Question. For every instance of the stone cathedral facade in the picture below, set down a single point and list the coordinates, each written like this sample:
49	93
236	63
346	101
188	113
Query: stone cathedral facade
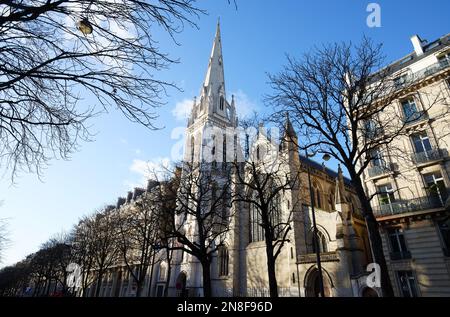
239	268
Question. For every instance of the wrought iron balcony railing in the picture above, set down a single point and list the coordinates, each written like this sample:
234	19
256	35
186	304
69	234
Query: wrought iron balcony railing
375	171
415	204
428	156
430	70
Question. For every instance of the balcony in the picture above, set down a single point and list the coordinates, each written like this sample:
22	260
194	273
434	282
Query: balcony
429	156
416	204
430	70
401	255
376	171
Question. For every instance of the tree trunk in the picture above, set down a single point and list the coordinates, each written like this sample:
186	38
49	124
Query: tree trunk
273	286
374	237
99	284
206	270
150	285
49	282
169	271
139	288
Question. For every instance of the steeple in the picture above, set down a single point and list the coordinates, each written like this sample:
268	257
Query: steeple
289	129
289	140
215	79
212	101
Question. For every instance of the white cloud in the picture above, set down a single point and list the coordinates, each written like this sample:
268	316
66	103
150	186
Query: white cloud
244	105
156	168
182	109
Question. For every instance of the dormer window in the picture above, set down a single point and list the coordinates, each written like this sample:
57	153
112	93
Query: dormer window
444	60
221	103
400	81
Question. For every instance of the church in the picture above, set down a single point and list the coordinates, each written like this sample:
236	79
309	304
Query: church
240	266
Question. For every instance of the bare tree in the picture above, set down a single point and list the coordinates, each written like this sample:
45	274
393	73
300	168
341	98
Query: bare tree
340	98
55	54
59	255
263	179
105	245
166	192
203	214
83	248
44	267
14	279
139	236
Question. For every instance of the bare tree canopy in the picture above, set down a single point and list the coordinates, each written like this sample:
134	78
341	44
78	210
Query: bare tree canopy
202	218
56	53
264	181
139	237
340	98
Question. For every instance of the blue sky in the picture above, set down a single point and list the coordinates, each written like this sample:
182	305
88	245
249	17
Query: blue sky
255	39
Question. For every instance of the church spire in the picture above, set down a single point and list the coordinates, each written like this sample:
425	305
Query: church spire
215	79
212	102
289	129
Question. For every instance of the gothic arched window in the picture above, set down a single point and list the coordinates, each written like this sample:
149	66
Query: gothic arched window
317	195
319	200
322	240
331	199
256	230
213	149
192	149
275	216
223	259
221	103
224	149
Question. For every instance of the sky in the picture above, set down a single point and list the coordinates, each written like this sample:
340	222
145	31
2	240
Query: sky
255	39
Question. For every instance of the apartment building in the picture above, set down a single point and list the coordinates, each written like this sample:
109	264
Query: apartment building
409	177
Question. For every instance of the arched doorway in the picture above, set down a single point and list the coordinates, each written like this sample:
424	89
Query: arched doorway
181	285
312	285
369	292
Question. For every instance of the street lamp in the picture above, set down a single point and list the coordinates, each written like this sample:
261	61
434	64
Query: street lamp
85	26
325	157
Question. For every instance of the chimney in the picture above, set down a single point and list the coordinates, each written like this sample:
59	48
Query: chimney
151	184
129	196
417	42
137	192
120	202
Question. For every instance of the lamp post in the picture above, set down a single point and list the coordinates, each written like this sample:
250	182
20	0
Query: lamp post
326	157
